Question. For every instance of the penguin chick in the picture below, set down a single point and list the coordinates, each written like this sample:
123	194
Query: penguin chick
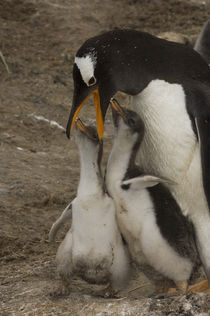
93	248
148	216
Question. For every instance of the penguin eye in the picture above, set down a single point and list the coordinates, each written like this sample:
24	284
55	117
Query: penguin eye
131	122
95	136
91	81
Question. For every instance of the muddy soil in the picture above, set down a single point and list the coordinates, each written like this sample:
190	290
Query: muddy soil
39	167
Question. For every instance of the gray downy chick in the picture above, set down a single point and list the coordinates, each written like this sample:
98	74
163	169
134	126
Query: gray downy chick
93	248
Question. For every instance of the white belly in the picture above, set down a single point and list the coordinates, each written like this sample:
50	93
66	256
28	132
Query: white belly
94	228
137	221
169	142
93	247
170	149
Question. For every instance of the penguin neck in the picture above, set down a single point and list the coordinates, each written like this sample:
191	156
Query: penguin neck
121	159
90	172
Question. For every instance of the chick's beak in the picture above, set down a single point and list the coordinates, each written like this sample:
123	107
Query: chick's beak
79	124
74	119
115	105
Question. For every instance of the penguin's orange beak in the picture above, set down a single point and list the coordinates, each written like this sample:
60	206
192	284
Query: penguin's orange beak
74	119
99	117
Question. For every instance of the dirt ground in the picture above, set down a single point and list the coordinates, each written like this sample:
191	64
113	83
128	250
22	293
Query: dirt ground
39	167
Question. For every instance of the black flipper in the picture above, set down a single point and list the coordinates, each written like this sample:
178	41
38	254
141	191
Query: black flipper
203	131
198	107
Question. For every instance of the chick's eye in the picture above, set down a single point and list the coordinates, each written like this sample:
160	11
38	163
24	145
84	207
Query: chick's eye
92	81
95	136
131	122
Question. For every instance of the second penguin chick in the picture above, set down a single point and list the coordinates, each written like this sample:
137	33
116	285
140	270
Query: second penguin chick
148	216
93	248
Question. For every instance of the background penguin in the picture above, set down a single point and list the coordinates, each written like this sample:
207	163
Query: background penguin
93	247
202	44
148	216
170	88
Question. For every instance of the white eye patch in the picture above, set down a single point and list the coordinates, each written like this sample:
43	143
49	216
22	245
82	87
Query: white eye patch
86	66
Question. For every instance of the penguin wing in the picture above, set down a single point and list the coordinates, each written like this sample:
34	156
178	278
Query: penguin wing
66	215
203	131
141	182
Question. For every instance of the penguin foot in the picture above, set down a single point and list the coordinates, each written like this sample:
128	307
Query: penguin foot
170	293
166	291
108	292
202	286
62	289
182	286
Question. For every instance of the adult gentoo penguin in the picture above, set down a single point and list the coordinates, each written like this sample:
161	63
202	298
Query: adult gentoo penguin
159	237
93	248
170	88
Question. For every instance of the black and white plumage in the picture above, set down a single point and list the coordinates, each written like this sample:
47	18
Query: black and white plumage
149	217
202	44
170	88
93	248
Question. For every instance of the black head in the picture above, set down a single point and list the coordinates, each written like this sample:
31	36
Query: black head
87	131
130	118
104	65
127	60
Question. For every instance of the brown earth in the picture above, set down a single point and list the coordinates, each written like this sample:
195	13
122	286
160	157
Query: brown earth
39	166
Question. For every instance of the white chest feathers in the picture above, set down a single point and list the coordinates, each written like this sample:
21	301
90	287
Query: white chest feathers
94	226
137	221
169	142
93	248
170	149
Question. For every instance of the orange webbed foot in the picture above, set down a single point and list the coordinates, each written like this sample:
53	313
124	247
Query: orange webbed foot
202	286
